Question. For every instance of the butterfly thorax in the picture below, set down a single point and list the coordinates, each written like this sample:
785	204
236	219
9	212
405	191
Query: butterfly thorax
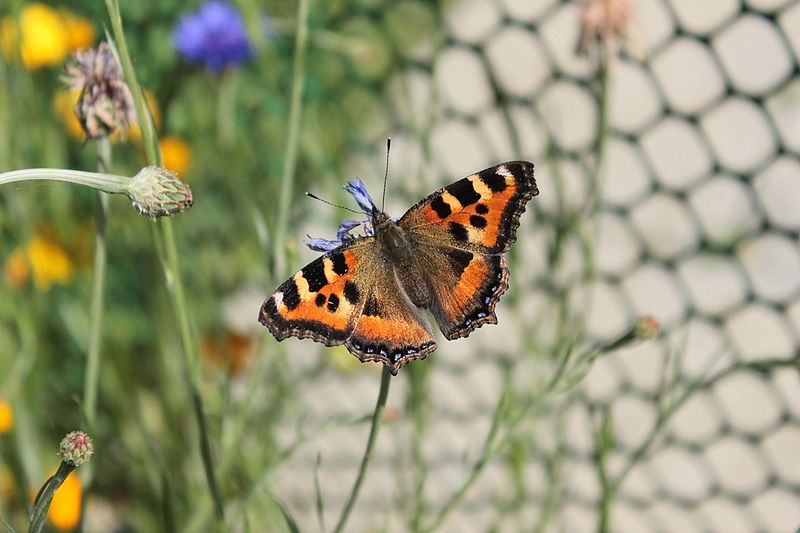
398	249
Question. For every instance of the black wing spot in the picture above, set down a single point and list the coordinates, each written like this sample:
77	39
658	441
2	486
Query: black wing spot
477	221
333	303
314	273
459	259
493	180
459	232
464	192
320	300
291	296
371	307
339	264
441	207
481	209
351	292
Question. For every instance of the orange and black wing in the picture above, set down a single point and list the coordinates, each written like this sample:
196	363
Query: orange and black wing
323	300
390	330
479	213
349	296
461	232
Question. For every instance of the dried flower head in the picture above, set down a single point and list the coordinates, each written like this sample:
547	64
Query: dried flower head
76	448
105	104
603	22
157	192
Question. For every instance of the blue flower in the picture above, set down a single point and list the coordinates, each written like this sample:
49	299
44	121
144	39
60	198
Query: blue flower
358	191
214	35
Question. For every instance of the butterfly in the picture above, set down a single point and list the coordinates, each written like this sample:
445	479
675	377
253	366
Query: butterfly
444	255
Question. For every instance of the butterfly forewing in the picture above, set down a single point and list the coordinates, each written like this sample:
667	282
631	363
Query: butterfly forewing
323	300
479	213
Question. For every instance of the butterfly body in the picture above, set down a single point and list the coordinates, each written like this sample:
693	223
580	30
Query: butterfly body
443	256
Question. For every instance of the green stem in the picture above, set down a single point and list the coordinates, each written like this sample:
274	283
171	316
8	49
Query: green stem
377	416
98	285
109	183
293	137
169	261
41	505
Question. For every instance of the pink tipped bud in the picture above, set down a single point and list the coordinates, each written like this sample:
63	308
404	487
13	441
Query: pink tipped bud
646	327
76	448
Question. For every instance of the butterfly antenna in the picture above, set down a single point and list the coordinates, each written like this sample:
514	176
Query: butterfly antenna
386	173
315	197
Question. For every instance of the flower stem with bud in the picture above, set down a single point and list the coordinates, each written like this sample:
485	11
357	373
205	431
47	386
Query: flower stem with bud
155	192
75	449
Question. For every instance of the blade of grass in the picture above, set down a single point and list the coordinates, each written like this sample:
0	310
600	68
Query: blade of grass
293	139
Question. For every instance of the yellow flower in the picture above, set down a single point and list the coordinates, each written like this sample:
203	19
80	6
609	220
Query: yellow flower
80	31
43	37
176	154
6	417
16	269
49	262
64	106
65	511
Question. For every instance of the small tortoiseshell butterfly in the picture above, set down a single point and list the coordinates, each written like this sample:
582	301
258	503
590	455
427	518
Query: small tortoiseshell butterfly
444	255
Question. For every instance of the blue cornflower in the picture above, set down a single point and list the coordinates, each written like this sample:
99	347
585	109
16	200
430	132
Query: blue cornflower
358	191
214	35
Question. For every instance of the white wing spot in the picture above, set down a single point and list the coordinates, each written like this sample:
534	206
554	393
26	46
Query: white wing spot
278	296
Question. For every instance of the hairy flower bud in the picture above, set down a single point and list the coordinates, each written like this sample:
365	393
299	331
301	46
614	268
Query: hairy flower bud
105	104
76	448
157	192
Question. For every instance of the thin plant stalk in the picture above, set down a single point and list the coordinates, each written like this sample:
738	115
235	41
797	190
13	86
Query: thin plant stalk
293	138
41	504
169	261
377	417
490	448
103	147
109	183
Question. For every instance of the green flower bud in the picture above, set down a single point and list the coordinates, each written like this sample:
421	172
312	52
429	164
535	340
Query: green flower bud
157	192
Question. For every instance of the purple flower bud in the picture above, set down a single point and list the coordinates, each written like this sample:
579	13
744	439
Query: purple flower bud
214	35
358	191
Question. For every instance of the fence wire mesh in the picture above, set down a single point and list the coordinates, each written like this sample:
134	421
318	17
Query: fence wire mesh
697	224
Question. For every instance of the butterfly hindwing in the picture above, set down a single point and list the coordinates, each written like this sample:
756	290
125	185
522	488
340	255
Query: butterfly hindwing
390	329
323	300
479	213
465	289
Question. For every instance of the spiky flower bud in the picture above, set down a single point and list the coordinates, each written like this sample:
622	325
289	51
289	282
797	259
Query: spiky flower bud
105	104
157	192
646	328
76	448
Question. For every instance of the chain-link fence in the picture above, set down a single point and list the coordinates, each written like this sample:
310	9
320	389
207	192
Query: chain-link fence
697	225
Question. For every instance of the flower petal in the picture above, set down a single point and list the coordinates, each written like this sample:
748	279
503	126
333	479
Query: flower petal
358	191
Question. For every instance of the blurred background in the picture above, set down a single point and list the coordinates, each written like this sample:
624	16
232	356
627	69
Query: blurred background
644	372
